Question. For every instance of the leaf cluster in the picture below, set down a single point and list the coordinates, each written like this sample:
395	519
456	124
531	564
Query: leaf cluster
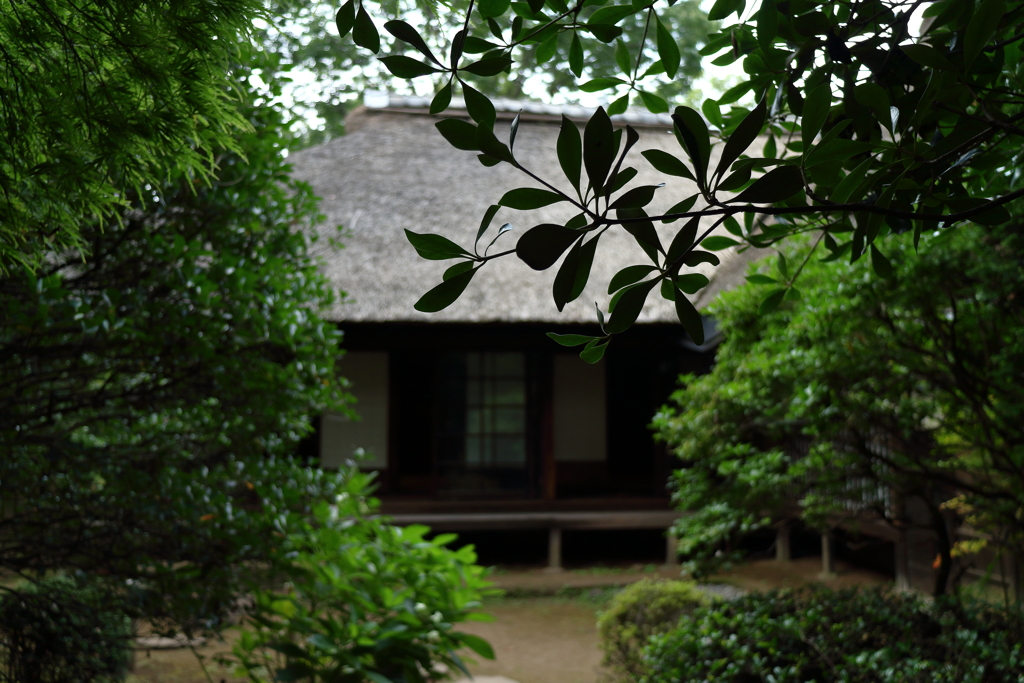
363	600
861	130
104	99
58	631
843	635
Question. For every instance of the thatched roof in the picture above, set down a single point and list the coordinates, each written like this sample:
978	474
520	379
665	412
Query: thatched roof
394	170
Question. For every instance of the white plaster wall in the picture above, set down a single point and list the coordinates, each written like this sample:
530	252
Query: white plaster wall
579	410
341	436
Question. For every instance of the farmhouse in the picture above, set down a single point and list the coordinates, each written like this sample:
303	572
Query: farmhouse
472	416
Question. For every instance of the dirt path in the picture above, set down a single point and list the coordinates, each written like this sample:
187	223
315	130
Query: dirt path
540	640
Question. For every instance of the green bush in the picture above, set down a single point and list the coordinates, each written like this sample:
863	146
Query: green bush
852	636
362	600
56	631
641	610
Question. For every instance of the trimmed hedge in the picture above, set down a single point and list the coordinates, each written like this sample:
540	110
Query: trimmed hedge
56	631
852	636
639	611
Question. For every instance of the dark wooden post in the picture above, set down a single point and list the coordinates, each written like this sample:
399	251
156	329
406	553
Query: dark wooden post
783	536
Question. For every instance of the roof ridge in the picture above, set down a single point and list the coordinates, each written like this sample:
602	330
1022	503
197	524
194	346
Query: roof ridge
382	99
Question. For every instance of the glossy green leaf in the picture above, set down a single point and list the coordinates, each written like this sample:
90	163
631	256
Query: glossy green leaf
473	45
493	8
668	290
636	198
695	258
874	97
816	108
683	240
485	223
836	151
491	66
442	99
576	55
628	276
668	51
654	103
643	231
683	206
983	24
606	33
759	279
490	145
528	198
598	148
691	283
767	24
547	50
513	130
628	307
782	265
771	302
566	276
881	264
583	267
477	645
619	106
718	242
407	67
457	269
599	84
735	180
746	132
542	245
621	178
723	8
570	339
445	294
346	18
774	186
611	14
407	34
479	106
434	247
713	112
696	140
690	319
926	55
459	134
623	58
845	189
570	151
364	33
666	163
594	352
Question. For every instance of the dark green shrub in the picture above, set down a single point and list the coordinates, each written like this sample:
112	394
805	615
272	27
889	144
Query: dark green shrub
364	602
56	631
643	609
852	636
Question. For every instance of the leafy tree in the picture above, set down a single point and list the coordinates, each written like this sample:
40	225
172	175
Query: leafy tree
155	383
858	387
861	132
104	100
